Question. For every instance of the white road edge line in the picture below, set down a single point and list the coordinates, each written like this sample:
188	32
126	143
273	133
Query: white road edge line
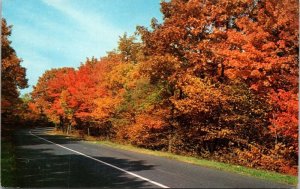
110	165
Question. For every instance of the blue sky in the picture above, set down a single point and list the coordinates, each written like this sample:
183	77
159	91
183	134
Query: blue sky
58	33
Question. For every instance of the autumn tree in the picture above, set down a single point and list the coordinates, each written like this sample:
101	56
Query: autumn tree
49	95
40	95
263	51
27	114
129	48
68	97
90	86
217	43
13	75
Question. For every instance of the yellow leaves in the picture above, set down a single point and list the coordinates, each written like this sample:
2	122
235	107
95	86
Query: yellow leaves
120	75
105	107
200	96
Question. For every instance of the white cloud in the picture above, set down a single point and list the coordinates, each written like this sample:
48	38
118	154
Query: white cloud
44	42
91	23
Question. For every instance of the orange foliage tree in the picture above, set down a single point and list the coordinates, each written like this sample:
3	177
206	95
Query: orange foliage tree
215	44
13	75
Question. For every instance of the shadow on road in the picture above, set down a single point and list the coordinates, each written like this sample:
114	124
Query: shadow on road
41	164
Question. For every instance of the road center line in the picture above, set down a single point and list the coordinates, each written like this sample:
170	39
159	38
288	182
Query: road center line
110	165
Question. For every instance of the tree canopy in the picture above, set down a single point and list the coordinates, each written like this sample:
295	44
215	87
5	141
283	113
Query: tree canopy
13	75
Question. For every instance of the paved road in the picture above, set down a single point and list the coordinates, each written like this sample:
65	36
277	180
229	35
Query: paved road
55	161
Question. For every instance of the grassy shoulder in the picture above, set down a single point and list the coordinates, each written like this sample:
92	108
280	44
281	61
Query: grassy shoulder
8	164
261	174
266	175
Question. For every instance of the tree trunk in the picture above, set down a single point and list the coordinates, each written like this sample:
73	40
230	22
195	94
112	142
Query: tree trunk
69	129
170	143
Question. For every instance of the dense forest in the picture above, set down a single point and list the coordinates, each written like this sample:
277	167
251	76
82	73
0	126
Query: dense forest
216	79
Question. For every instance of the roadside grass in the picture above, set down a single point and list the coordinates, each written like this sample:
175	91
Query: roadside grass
261	174
8	164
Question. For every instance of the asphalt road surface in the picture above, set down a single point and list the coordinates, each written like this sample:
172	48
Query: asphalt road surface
56	161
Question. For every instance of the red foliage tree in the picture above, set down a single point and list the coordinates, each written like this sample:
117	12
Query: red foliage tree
13	75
